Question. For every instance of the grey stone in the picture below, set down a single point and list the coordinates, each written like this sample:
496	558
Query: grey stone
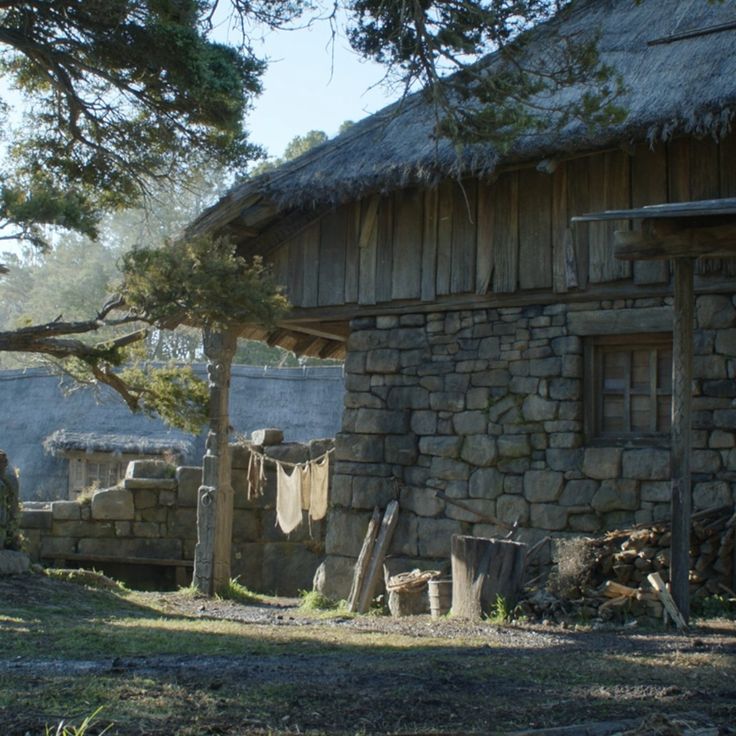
288	568
67	510
183	523
424	422
407	338
145	499
564	459
359	447
548	516
386	322
367	340
618	519
57	547
497	377
82	529
565	389
545	367
456	382
266	437
334	576
381	421
440	446
401	449
405	537
705	461
167	498
725	419
537	409
420	501
447	401
501	407
709	367
470	422
113	504
723	389
157	484
615	495
583	523
448	469
602	463
345	532
567	345
489	348
513	446
477	398
720	440
726	342
565	440
656	491
382	361
363	400
165	549
713	493
369	491
149	469
35	518
13	562
476	509
542	485
715	311
511	509
147	529
188	479
434	536
408	397
125	528
486	483
646	464
578	492
479	450
341	489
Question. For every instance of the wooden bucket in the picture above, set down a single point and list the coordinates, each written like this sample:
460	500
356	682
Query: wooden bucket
440	597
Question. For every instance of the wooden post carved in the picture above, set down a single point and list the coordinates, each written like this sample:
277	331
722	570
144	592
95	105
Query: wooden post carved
215	499
682	374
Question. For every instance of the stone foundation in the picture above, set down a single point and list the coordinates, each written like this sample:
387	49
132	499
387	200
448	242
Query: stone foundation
487	406
153	515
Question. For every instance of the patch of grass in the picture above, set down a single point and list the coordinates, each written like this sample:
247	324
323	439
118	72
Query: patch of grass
237	592
715	606
69	729
312	600
89	578
500	612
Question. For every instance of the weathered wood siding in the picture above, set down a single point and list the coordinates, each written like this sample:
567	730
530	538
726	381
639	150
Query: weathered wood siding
510	236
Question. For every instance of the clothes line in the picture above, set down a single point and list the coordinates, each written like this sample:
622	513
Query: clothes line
285	464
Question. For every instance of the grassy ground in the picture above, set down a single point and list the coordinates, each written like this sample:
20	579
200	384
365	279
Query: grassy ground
157	664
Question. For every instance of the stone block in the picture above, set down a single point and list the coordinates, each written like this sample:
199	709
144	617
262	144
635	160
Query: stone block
618	519
363	448
726	342
113	504
565	440
513	484
564	459
125	528
447	401
400	449
477	510
709	367
188	479
542	485
494	378
572	345
57	547
441	446
381	421
720	440
83	529
159	469
723	389
147	548
369	491
486	483
407	338
145	499
602	463
405	537
565	389
13	562
345	532
578	492
448	469
479	450
423	422
511	509
435	536
616	495
239	455
583	523
156	484
537	409
548	516
713	493
456	382
183	523
545	367
470	422
247	565
266	437
382	361
367	340
477	399
725	419
646	464
715	312
167	498
66	510
287	568
656	491
35	518
513	446
408	397
154	514
148	529
705	461
334	577
420	501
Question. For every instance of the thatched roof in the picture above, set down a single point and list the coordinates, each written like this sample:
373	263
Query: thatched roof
686	84
65	441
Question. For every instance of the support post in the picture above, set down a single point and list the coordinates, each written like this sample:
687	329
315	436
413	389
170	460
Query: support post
215	499
682	373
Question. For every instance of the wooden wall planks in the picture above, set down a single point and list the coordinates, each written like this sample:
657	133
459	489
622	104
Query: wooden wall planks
513	234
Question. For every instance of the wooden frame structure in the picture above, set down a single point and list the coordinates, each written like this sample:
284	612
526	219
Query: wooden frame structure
679	233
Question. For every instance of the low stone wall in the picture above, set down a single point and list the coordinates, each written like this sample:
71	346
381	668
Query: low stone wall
153	515
487	406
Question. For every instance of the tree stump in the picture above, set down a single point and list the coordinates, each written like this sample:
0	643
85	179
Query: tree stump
483	569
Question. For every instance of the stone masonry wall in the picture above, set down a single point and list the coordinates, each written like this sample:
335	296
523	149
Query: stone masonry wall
154	515
487	407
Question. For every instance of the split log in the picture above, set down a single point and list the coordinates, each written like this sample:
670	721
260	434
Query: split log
655	580
390	519
361	566
612	589
267	437
483	569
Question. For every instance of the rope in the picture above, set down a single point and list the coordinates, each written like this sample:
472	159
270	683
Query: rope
415	580
284	463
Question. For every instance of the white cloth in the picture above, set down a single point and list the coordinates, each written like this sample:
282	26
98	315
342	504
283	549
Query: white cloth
318	487
288	498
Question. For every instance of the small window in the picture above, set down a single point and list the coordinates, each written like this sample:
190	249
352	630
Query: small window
629	386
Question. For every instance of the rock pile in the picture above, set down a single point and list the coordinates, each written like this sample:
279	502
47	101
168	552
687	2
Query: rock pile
606	577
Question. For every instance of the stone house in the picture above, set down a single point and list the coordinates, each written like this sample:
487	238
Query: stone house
497	354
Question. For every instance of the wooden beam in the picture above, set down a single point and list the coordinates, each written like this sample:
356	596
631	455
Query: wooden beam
664	239
682	373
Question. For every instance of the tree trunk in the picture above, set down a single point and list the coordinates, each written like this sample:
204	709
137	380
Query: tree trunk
215	499
483	569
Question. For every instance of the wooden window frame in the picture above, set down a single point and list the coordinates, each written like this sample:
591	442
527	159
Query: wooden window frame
593	395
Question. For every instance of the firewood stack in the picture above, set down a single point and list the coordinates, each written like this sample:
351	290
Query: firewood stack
609	578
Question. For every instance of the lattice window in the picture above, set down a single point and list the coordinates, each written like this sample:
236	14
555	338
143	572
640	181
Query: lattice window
629	386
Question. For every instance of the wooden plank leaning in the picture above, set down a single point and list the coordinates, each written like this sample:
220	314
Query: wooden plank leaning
364	558
655	580
390	519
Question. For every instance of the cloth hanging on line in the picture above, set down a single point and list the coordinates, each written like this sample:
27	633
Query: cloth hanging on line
288	498
318	486
256	475
306	471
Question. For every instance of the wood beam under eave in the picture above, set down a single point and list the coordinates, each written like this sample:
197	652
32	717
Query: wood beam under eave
337	331
665	239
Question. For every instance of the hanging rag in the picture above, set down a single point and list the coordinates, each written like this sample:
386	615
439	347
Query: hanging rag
288	498
319	483
306	471
256	475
